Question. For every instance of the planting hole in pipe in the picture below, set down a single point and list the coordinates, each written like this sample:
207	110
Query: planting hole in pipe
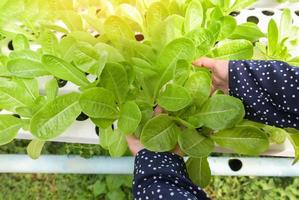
16	115
61	83
235	164
97	130
297	12
234	13
253	19
139	37
268	12
82	117
9	45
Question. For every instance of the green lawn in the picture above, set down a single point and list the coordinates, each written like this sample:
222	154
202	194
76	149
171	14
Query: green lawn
100	187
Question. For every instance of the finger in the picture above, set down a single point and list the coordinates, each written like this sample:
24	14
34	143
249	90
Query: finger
134	144
213	89
158	110
178	151
205	62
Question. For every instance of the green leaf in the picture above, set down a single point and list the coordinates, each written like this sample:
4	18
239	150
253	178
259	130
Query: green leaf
114	78
240	5
116	194
272	37
203	40
199	86
113	54
215	28
214	14
233	50
25	54
172	27
277	135
64	70
24	112
49	43
98	103
99	188
20	42
30	87
286	22
182	72
160	134
104	138
26	68
293	136
38	104
199	171
143	68
129	117
83	36
85	57
155	15
179	49
102	122
174	98
35	148
118	144
117	29
249	31
130	12
220	3
55	117
194	16
113	182
13	95
51	89
243	140
71	19
98	69
9	127
194	144
220	112
228	25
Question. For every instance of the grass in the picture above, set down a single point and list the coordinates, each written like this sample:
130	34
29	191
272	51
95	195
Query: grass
107	187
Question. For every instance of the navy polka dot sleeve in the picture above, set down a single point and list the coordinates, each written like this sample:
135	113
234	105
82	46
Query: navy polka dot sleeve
268	89
163	176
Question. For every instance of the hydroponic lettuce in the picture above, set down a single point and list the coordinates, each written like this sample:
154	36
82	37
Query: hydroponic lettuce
139	54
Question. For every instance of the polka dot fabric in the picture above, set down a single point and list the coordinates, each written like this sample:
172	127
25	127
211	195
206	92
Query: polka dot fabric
268	89
163	176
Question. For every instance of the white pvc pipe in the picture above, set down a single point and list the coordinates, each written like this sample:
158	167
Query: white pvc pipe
106	165
260	166
65	164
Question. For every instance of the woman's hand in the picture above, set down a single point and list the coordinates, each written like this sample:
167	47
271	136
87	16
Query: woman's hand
219	69
135	145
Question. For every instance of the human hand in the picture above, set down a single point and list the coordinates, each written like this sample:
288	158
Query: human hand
219	69
135	145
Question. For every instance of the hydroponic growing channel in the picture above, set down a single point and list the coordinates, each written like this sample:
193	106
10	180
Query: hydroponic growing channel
73	70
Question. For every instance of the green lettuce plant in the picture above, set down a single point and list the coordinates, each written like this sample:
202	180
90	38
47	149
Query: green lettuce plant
282	41
137	55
